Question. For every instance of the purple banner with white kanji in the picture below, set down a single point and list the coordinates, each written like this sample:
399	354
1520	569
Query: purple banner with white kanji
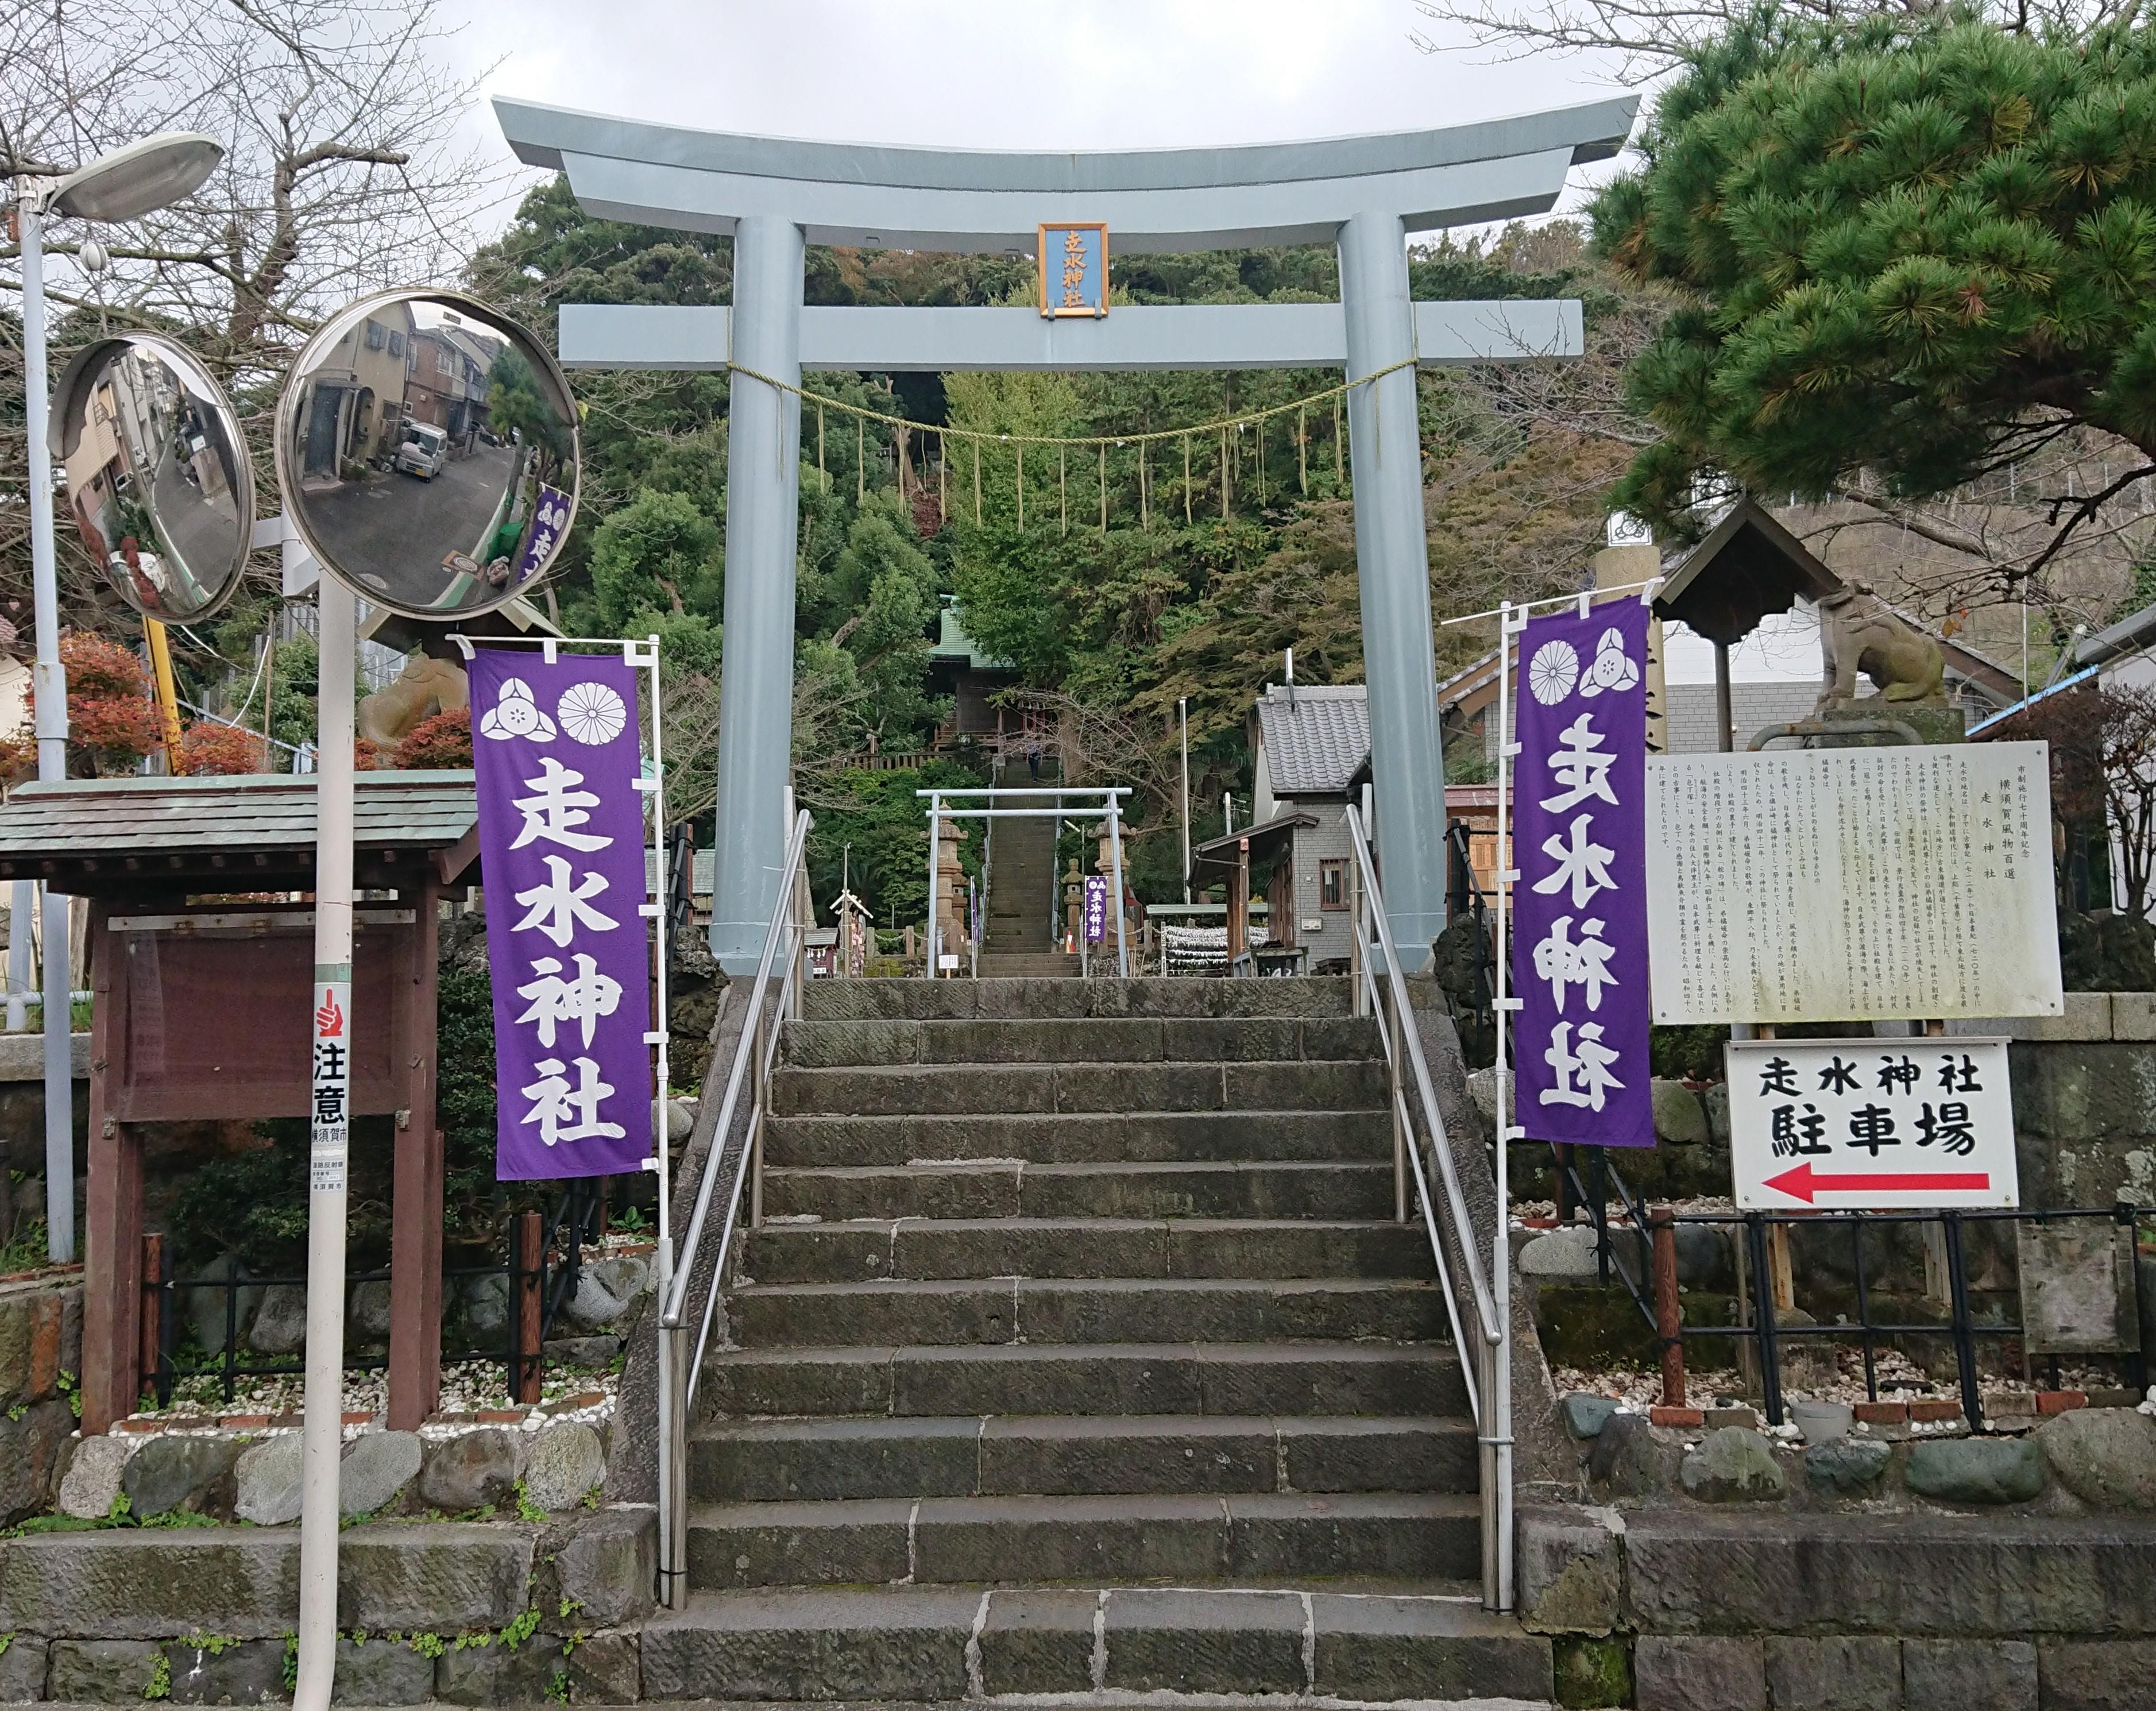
1096	908
558	751
1580	907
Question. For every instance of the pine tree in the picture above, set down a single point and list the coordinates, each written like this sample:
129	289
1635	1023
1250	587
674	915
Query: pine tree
1918	245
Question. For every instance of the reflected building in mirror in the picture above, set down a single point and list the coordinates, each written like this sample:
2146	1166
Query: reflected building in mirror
360	403
448	381
458	501
150	465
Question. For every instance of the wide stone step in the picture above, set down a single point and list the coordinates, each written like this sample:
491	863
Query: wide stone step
781	1460
981	1188
1126	1536
947	1644
1099	1379
1043	963
827	1045
1037	1310
933	1089
1080	1138
835	1000
1083	1247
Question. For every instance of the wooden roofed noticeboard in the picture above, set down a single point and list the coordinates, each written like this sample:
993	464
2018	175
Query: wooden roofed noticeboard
202	967
124	838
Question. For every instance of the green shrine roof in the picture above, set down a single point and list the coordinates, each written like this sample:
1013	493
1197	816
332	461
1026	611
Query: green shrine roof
952	643
244	831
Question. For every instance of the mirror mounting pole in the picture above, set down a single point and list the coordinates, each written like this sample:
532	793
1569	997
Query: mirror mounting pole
322	1422
49	687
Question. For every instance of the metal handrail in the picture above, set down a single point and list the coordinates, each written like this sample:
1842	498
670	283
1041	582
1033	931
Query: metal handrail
680	1355
1486	1305
1490	1394
781	913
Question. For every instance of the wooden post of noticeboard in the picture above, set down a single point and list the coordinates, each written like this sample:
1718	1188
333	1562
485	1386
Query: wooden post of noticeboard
112	1227
415	1234
1239	905
528	1248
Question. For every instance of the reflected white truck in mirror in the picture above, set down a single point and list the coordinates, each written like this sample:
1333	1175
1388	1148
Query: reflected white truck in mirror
425	450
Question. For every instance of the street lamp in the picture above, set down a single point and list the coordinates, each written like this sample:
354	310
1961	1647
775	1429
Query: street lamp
122	185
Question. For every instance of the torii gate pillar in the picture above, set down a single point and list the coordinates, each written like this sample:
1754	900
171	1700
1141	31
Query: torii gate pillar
756	691
1392	558
773	195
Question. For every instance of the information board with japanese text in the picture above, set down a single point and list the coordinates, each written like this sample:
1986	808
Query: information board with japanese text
1851	884
1862	1125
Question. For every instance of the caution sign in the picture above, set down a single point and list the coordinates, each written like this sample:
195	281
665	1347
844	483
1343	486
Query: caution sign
1861	1125
330	1106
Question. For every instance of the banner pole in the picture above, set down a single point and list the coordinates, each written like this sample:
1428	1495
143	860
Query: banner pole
673	1457
1497	1391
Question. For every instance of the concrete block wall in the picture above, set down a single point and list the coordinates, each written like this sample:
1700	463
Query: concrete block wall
1690	709
2084	1098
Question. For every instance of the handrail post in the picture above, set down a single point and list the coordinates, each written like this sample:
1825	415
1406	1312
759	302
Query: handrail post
759	1097
677	1450
1489	1360
1403	1136
1358	1001
665	1349
935	855
1116	886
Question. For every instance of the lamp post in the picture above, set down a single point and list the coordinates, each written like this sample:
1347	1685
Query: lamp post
1182	711
121	185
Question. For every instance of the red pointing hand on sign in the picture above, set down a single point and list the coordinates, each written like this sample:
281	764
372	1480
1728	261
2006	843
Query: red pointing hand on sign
328	1019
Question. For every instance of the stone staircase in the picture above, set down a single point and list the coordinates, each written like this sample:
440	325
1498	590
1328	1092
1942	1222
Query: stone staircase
1020	943
1080	1352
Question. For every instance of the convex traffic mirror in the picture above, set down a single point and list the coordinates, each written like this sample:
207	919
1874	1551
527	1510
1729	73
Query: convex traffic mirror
427	448
158	482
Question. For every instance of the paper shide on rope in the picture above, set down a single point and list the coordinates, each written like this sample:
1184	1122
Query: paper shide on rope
1241	423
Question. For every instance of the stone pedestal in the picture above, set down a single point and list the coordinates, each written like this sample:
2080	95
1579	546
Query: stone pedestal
1932	723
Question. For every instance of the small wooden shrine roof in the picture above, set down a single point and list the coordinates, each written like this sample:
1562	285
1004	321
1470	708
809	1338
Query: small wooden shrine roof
1224	853
1748	566
121	838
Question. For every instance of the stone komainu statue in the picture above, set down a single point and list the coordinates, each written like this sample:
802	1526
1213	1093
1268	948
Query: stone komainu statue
1857	633
426	686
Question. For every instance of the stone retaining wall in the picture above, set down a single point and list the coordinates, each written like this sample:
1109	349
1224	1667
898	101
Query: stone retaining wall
1683	1610
40	1352
468	1613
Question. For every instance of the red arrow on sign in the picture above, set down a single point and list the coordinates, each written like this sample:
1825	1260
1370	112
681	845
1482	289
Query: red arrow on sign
1803	1183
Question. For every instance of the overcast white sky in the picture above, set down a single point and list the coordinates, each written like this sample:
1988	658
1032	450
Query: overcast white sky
1784	648
1011	74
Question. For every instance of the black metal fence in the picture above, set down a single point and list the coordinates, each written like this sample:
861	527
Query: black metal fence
1649	1278
542	1264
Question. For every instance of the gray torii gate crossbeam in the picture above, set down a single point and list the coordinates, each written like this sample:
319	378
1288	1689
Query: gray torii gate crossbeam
775	195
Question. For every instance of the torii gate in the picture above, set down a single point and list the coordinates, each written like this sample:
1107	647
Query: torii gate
774	195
